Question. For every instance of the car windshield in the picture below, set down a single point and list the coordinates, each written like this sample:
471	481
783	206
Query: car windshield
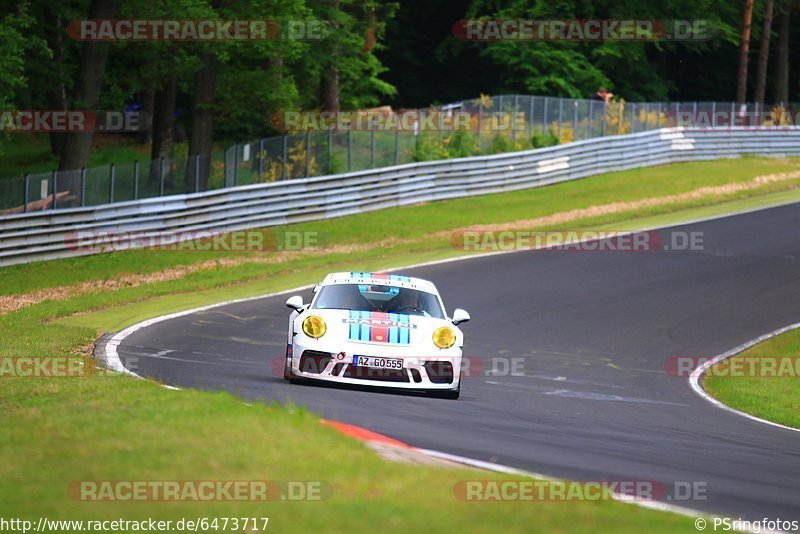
379	298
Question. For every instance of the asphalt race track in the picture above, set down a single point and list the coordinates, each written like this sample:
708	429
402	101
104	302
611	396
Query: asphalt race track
594	330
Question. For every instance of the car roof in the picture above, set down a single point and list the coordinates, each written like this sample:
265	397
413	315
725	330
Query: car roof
394	280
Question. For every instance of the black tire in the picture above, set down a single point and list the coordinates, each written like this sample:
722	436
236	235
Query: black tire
287	370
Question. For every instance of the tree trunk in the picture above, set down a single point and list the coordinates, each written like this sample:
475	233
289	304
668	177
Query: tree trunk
88	85
763	54
202	139
164	130
57	92
329	87
782	56
146	117
744	50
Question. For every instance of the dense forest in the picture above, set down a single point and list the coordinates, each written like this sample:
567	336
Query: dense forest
373	52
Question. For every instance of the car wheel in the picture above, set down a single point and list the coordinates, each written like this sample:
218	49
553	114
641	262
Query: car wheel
287	370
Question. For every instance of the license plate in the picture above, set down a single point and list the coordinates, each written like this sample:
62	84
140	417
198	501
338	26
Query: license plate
377	362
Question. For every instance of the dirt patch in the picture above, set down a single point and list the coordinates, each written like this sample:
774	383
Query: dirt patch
12	303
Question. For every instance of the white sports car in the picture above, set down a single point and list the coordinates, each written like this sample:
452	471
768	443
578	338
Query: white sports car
374	329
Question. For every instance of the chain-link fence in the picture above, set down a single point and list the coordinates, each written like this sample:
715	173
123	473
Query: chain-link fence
485	125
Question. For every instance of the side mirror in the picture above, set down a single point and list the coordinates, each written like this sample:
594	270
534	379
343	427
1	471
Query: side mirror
460	316
296	303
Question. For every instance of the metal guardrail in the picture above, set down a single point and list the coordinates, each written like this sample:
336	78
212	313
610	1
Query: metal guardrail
50	234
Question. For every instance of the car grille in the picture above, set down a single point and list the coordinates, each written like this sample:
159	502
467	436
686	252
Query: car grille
379	375
313	361
439	372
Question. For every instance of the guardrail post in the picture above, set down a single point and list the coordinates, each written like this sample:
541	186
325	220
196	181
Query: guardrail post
26	195
235	164
136	179
55	189
83	186
111	188
285	155
260	159
349	150
161	177
197	172
308	152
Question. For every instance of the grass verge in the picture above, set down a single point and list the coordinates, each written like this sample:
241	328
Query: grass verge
762	380
115	428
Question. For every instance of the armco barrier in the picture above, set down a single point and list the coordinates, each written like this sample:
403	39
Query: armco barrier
45	235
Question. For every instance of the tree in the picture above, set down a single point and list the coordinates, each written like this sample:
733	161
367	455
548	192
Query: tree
88	84
782	53
763	54
744	51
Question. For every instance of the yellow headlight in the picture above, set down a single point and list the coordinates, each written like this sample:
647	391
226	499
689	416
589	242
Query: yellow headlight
444	337
314	326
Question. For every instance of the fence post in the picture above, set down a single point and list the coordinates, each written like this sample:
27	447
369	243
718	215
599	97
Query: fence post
136	179
480	124
260	159
235	164
530	118
55	189
197	172
560	115
349	150
733	111
83	186
285	155
544	117
713	113
308	152
575	120
330	151
372	146
590	128
397	144
633	118
161	177
513	121
111	185
26	196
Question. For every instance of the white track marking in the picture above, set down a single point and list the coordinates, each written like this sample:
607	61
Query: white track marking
694	378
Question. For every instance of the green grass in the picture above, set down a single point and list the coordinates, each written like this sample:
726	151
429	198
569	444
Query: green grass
775	398
60	430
